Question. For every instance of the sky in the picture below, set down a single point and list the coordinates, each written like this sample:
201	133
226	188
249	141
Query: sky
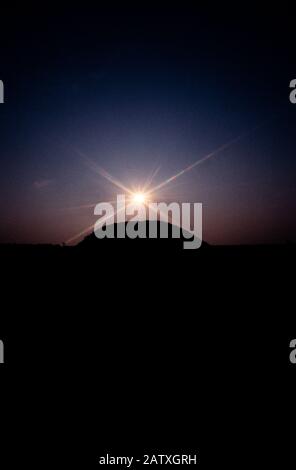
144	90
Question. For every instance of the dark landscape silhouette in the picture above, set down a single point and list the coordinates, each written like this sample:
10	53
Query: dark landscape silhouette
90	246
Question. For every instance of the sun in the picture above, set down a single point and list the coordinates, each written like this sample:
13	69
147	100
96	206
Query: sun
139	198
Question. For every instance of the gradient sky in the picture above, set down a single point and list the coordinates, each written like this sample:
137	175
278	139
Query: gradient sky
137	89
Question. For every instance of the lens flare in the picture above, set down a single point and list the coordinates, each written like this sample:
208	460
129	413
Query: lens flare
145	195
138	198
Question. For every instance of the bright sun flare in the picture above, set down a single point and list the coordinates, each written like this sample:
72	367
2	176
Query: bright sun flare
139	198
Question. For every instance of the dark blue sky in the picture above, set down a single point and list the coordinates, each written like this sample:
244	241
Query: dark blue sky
137	89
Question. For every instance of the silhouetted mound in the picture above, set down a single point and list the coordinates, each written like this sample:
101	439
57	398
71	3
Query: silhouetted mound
146	236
